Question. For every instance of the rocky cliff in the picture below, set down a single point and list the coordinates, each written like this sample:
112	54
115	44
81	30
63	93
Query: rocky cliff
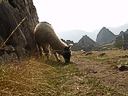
26	8
12	12
105	36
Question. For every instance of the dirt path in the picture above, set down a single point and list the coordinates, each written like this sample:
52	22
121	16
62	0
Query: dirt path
107	75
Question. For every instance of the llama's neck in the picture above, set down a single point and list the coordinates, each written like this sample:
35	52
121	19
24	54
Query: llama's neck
58	46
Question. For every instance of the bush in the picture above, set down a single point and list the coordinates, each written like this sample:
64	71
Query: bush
118	44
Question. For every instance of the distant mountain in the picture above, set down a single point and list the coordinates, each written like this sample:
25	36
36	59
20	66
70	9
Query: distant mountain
105	36
85	40
126	31
121	33
86	43
76	35
117	30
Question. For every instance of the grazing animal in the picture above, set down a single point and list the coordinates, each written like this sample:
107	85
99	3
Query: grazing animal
46	38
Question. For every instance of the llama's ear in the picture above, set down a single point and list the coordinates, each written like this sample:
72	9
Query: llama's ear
70	45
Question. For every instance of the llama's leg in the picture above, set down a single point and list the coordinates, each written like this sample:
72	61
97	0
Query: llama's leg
40	50
56	55
46	51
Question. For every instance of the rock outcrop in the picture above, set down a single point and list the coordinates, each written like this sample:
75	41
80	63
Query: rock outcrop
7	53
26	8
12	12
8	23
105	36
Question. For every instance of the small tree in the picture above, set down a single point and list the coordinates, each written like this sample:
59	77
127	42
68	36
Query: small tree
119	44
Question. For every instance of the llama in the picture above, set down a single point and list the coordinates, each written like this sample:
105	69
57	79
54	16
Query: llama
46	38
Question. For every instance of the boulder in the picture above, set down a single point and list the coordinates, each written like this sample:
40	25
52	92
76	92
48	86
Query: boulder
89	53
21	52
6	58
7	54
102	54
122	67
13	57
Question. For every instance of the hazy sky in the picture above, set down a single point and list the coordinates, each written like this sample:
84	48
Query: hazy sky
86	15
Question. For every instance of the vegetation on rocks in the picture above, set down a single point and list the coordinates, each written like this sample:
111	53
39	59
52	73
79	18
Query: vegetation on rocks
119	44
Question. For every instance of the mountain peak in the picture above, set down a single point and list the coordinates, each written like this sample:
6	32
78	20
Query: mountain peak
104	36
121	33
86	41
126	31
85	36
104	28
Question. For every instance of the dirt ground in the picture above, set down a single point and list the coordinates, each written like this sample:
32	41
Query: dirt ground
106	74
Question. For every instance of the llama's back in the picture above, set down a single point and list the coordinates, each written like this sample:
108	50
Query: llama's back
44	33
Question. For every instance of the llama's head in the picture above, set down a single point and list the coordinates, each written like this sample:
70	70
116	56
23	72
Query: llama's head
67	53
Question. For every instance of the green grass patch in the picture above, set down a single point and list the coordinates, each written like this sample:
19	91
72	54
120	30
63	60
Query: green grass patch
112	57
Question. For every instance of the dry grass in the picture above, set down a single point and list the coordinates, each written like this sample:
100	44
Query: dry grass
37	77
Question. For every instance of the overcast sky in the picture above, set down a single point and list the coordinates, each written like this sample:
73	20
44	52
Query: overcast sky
86	15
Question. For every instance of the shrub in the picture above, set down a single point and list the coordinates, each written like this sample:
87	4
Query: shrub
118	44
